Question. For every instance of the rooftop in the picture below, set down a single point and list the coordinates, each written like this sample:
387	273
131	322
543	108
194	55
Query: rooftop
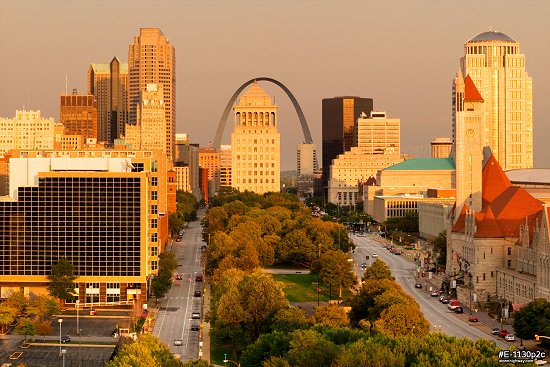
529	175
423	164
491	36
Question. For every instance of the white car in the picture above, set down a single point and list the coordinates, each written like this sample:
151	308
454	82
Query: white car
510	337
374	255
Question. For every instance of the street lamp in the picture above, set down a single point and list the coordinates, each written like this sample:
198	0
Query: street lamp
60	322
225	360
77	309
470	286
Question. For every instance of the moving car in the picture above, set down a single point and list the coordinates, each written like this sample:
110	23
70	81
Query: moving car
375	255
65	339
503	333
510	337
197	294
418	285
363	265
495	331
179	277
196	315
178	342
473	319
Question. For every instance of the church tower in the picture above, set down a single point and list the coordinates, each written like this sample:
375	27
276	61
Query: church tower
468	140
255	143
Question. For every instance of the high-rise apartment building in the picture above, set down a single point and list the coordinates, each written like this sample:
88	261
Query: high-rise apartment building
152	60
255	143
150	130
78	114
441	147
209	158
108	83
340	115
497	68
27	130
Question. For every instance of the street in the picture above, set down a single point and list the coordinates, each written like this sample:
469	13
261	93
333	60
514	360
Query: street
174	319
440	318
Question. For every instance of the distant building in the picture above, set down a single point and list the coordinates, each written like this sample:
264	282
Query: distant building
108	83
255	143
152	60
307	167
497	68
441	147
28	130
150	130
209	158
339	117
186	165
78	114
378	139
225	165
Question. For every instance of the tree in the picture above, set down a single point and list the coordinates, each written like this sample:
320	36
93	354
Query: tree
378	270
440	249
368	353
175	223
402	320
296	248
336	271
275	344
62	280
334	316
25	326
19	301
43	328
148	351
8	314
43	306
363	305
197	363
276	362
533	319
289	319
309	348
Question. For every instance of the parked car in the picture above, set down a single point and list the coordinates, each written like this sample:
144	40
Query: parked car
503	333
495	331
444	300
459	309
374	255
179	277
197	294
198	278
65	339
435	293
510	337
453	304
196	315
418	285
473	319
195	327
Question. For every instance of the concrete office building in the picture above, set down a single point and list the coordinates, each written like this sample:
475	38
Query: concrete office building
306	156
152	60
497	68
339	117
28	130
209	158
255	143
78	114
378	146
186	165
225	165
108	83
441	147
150	130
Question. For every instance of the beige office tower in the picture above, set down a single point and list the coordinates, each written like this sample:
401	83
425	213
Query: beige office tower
468	120
209	158
441	147
497	68
27	130
108	83
255	143
150	130
152	60
378	147
225	165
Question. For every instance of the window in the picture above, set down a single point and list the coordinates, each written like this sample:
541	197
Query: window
154	223
509	251
154	209
154	195
154	181
509	264
154	237
154	265
154	251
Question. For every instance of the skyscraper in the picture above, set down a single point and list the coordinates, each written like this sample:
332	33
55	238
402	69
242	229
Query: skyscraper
340	115
152	60
78	113
255	143
108	83
497	68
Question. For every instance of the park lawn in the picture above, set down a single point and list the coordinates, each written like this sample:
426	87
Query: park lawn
303	288
217	353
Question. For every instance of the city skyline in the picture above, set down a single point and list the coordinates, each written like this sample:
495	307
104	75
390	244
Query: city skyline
318	50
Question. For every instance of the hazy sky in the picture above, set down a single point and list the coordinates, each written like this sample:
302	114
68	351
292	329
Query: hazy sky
403	54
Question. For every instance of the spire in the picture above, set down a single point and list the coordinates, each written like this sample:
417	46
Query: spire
471	93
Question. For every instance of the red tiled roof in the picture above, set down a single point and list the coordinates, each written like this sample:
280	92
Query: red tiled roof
471	93
493	180
460	223
487	225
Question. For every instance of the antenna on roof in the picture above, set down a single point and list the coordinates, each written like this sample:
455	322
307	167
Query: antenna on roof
490	28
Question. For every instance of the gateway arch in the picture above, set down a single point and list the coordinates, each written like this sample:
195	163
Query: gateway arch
225	115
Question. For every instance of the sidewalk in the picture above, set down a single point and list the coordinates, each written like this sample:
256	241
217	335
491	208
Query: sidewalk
204	339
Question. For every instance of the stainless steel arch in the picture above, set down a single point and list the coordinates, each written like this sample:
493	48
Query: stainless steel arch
223	120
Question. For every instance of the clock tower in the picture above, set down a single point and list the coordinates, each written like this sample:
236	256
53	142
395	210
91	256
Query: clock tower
468	139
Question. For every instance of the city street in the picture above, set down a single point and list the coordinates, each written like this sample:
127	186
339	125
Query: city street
175	317
440	318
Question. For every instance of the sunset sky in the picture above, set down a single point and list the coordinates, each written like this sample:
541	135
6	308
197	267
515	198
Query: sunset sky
403	54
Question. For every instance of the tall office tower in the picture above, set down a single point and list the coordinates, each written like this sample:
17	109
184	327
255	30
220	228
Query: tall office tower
150	130
225	165
152	60
378	147
108	83
339	118
497	68
469	115
27	130
441	147
306	156
209	158
78	113
186	165
255	143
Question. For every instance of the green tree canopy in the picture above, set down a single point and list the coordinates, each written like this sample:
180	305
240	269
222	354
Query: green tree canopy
533	319
334	316
289	319
309	348
62	280
148	351
335	270
378	270
268	345
402	320
8	314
